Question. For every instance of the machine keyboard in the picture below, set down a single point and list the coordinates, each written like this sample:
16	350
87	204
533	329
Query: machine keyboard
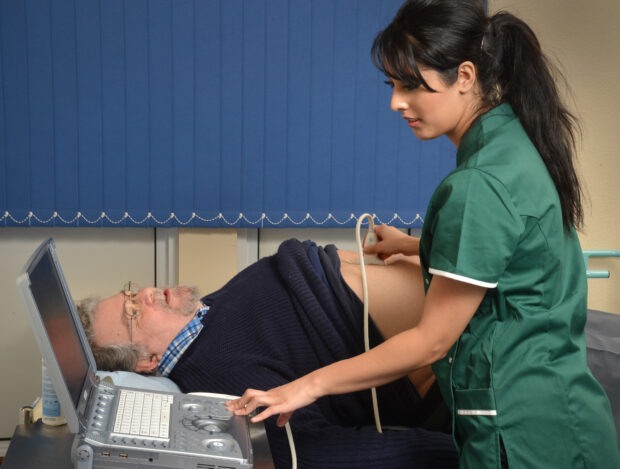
142	413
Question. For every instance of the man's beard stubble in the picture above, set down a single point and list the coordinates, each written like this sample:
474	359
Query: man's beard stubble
188	297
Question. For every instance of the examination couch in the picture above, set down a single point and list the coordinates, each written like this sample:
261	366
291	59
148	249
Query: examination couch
603	344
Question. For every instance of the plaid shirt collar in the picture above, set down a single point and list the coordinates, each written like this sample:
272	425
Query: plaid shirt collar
180	343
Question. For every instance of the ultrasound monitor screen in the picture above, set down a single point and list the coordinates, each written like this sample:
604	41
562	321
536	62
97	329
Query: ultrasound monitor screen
48	294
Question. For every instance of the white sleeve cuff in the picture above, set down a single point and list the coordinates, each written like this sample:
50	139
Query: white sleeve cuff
461	278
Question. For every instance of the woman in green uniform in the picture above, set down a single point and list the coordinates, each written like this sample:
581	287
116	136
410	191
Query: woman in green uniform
505	308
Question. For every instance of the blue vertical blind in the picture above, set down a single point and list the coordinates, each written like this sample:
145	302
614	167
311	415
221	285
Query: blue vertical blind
204	113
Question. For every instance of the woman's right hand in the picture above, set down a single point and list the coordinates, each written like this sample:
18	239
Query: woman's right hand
283	400
393	241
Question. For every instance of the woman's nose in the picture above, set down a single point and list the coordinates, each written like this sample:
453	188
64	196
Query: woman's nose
398	103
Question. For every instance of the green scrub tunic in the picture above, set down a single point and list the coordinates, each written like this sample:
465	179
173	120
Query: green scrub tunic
517	376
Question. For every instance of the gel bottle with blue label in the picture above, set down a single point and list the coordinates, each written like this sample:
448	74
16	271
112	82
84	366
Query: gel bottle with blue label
52	413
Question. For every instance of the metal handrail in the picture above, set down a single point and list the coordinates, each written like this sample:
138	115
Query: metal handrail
598	253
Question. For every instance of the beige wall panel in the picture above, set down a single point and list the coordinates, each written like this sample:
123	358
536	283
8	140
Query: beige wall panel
343	238
585	38
207	257
94	260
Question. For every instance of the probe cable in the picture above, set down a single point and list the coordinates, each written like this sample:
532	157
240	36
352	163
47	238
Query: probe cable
289	435
373	391
360	249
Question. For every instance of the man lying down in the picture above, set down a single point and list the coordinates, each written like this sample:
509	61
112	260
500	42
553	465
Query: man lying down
281	318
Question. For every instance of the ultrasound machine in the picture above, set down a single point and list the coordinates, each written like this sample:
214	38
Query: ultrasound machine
117	427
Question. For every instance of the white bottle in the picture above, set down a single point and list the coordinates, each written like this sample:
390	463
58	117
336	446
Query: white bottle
52	413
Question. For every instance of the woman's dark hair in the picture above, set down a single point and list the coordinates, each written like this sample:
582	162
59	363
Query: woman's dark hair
442	34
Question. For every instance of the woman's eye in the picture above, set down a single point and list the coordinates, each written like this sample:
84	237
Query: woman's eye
411	86
403	85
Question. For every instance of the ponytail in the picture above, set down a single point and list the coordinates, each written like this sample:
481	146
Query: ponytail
513	69
442	34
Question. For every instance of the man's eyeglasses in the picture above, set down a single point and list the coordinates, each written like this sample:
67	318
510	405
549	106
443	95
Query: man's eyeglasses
130	308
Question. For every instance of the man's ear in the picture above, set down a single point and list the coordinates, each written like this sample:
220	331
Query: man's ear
466	76
146	363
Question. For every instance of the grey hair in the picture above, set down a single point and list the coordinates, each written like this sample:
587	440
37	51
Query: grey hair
116	357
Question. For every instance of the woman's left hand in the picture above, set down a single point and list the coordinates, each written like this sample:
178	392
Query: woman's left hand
283	400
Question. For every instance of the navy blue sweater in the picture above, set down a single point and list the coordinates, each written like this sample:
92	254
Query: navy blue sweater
278	320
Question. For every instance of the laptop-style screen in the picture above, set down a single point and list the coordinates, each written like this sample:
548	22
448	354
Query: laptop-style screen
49	295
